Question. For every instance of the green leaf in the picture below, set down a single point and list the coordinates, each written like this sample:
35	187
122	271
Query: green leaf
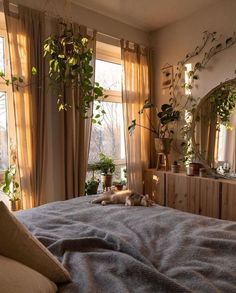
34	70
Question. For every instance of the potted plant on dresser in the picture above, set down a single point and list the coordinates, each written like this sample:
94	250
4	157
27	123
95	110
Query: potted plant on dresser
107	168
163	128
10	188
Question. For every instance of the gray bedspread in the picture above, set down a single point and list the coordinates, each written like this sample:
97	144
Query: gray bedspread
121	249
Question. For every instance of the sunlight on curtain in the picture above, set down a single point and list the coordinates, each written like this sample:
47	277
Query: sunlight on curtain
25	39
136	89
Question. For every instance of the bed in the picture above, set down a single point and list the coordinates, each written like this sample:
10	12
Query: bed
123	249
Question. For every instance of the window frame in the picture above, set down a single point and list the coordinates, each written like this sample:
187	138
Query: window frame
112	96
8	92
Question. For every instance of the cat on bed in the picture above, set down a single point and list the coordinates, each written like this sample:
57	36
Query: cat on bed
127	197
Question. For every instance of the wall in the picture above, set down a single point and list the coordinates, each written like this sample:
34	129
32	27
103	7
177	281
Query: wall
89	18
173	42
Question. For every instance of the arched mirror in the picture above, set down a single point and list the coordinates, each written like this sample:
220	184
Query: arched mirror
214	129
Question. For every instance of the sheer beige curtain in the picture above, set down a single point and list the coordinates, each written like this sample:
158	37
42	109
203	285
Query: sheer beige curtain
25	30
136	89
52	146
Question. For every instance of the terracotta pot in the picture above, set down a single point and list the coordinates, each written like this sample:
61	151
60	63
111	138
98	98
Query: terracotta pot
175	168
163	145
195	168
15	205
107	180
119	186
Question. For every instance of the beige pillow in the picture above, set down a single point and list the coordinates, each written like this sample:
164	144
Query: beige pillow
18	243
16	277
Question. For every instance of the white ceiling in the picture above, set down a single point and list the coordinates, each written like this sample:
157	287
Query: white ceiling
147	15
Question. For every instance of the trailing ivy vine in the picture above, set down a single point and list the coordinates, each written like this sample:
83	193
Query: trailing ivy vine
69	60
70	67
186	103
223	103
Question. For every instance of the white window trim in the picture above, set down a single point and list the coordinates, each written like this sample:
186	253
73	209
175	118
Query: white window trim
7	90
112	96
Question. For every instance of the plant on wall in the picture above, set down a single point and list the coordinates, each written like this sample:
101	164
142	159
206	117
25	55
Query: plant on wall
186	103
176	92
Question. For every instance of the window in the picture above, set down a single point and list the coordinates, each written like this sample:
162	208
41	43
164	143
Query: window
108	138
4	92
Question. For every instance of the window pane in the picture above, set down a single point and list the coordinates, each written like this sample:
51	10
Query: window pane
108	138
2	55
108	75
3	133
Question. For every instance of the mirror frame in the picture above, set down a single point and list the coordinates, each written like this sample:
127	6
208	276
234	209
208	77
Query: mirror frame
194	119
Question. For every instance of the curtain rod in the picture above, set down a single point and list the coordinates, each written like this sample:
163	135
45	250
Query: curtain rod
70	20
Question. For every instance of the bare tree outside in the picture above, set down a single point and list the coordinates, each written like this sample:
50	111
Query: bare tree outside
108	138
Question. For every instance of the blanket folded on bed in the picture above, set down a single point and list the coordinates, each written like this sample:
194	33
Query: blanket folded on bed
136	249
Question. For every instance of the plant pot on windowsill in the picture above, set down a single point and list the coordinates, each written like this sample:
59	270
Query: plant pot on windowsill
163	145
119	185
106	181
91	186
15	205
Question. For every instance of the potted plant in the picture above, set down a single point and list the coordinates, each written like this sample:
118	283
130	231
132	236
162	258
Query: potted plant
164	130
119	184
11	188
107	168
91	186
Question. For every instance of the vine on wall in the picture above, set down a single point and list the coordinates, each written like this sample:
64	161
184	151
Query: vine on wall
186	104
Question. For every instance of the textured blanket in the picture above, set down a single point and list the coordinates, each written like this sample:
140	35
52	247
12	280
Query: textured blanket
121	249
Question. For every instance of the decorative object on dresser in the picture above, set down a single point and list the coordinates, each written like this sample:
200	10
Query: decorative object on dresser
199	195
175	167
10	188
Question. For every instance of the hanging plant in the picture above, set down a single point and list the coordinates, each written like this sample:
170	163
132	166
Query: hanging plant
70	67
223	103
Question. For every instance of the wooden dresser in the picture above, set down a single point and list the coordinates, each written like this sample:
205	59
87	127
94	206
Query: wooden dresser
203	196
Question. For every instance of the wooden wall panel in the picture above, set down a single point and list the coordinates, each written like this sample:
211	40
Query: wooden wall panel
176	191
154	185
203	196
193	194
228	207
